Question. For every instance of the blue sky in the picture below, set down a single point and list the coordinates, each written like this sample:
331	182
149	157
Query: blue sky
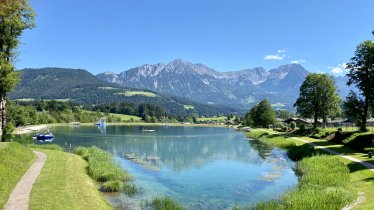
115	35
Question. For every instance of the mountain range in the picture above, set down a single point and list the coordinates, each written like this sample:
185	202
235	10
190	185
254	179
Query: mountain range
81	86
241	89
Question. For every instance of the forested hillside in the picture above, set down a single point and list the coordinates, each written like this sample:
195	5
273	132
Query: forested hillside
82	87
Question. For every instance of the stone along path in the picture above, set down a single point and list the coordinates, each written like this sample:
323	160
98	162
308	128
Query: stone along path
19	199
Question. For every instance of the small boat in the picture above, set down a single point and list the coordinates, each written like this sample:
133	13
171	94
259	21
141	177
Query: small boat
148	130
101	122
44	137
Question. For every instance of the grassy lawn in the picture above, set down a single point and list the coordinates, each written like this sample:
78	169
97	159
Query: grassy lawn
341	149
217	119
108	88
361	178
64	184
119	117
187	107
127	118
134	93
15	160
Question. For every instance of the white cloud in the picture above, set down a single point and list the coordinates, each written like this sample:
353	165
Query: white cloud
298	61
274	57
279	55
343	66
338	69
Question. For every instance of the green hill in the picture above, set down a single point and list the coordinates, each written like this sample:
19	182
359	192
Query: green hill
82	87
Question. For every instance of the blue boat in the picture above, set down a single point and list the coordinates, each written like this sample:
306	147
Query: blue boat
44	137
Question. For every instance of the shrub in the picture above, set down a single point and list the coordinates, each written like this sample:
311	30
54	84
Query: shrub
101	166
297	153
317	130
81	151
130	189
112	186
359	141
302	127
165	203
293	125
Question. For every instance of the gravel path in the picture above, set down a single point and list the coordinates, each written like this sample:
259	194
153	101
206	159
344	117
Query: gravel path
19	199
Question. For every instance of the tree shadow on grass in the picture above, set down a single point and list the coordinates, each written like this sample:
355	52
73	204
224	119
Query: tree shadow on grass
356	166
371	179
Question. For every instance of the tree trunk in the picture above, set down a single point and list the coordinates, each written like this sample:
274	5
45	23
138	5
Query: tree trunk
365	114
315	121
2	117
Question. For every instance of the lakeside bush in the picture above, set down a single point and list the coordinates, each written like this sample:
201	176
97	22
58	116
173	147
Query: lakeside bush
297	153
112	186
102	168
165	203
130	189
359	141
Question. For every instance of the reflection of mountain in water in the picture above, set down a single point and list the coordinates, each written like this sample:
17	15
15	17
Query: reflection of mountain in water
176	148
191	152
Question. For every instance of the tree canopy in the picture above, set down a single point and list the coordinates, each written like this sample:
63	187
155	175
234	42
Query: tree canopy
361	74
318	97
15	17
261	115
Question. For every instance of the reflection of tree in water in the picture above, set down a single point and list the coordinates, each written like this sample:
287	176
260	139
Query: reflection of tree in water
102	129
263	150
181	153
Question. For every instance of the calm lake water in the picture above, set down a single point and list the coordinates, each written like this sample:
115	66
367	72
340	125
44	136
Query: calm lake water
200	167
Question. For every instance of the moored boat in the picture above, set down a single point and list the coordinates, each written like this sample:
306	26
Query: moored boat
44	137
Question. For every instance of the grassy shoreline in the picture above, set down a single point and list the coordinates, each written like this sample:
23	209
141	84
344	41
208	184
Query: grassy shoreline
15	160
361	178
64	184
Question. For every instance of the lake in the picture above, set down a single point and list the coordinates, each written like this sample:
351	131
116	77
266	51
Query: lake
199	167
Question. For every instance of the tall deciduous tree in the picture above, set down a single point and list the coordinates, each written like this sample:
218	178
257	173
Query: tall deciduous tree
362	76
261	115
15	17
318	97
354	109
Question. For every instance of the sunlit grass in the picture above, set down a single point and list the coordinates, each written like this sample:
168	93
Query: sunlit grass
325	179
46	146
165	203
64	184
216	119
140	93
102	168
15	160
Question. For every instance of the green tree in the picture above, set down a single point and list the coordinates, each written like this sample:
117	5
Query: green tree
318	97
354	109
15	17
361	75
261	115
284	114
